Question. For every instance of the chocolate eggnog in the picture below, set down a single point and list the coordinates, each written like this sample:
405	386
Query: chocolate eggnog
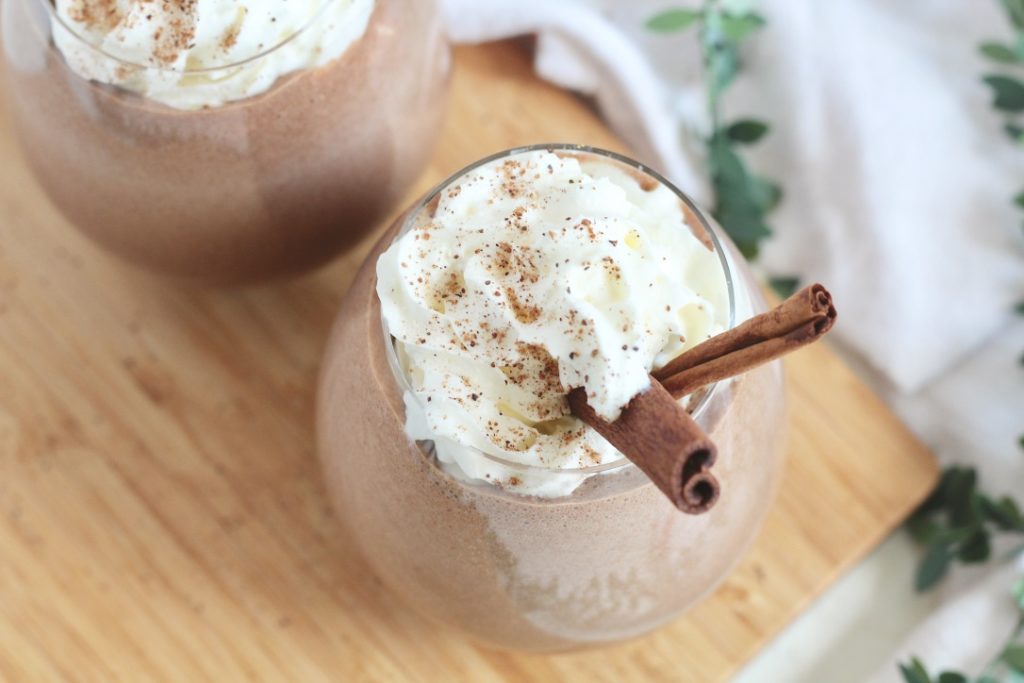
225	140
446	436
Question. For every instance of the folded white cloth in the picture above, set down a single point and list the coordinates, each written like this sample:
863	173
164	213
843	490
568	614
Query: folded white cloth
580	49
899	176
898	182
962	634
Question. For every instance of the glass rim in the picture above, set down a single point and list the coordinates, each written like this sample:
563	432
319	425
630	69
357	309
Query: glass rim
51	10
719	249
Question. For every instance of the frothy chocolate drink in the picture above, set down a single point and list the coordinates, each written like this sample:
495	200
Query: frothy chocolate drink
447	442
141	135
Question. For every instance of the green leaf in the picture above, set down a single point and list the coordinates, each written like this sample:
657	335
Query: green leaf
1019	308
736	205
746	131
765	193
975	549
1015	10
915	672
959	500
1004	513
742	220
1009	92
784	286
673	20
998	52
1015	132
1014	657
951	537
922	529
1019	200
724	162
738	26
986	679
952	677
933	567
937	499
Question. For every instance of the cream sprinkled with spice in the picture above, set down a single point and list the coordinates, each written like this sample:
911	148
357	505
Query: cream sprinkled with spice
532	275
160	48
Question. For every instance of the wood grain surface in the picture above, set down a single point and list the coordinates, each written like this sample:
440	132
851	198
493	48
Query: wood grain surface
162	517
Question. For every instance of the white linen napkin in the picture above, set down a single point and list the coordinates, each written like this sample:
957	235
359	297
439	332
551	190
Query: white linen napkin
962	635
899	176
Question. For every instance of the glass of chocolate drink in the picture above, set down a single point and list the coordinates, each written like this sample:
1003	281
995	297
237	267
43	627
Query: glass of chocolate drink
449	447
225	140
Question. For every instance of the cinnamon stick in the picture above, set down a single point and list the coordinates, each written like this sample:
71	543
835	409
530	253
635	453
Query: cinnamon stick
800	320
664	441
661	438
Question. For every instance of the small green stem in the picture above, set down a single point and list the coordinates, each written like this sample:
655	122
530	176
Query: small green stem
710	19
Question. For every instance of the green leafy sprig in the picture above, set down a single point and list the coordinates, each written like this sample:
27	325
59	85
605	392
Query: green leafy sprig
742	198
1007	87
958	523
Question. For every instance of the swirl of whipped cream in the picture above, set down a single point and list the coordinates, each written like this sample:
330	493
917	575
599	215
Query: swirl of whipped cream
190	54
537	273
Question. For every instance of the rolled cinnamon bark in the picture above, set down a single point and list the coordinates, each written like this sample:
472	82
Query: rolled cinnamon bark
664	441
660	436
800	320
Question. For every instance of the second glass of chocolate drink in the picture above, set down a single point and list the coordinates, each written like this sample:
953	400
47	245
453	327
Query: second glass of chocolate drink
225	141
447	441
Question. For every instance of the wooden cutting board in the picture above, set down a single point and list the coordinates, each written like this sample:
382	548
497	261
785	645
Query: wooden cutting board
162	516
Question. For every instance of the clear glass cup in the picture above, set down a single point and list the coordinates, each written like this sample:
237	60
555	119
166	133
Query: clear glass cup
256	188
610	561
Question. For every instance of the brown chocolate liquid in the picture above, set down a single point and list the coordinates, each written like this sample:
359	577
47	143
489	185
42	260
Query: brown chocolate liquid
258	188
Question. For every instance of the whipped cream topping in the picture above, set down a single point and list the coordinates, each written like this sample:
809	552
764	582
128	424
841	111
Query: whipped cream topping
535	274
176	51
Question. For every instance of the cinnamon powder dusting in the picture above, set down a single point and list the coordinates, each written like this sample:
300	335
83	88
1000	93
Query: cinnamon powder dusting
95	14
181	32
230	37
174	35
